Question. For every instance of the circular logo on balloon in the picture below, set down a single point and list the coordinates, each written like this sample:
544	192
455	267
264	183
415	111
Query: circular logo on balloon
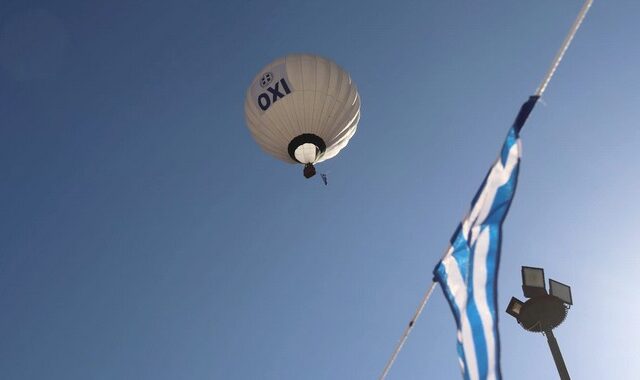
266	80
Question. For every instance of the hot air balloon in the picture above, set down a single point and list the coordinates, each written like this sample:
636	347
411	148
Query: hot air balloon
302	109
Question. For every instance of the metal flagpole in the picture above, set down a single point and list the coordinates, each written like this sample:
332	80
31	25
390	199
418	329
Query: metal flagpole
543	86
407	330
564	47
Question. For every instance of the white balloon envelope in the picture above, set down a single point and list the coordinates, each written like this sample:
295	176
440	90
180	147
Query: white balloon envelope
302	109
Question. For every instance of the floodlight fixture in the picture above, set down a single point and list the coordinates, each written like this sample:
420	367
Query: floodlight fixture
514	308
560	290
533	282
543	312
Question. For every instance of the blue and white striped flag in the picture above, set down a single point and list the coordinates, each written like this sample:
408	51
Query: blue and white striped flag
468	272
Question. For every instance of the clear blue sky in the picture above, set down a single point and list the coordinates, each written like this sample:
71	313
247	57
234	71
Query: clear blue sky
144	235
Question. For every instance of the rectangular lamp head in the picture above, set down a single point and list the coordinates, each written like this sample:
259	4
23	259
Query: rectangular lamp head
533	282
561	291
515	305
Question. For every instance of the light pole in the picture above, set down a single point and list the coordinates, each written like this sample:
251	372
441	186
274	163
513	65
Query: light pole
543	312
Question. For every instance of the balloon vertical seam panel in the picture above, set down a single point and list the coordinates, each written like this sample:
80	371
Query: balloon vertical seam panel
302	94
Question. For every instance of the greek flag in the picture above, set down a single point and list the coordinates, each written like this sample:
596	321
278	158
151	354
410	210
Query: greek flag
468	272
